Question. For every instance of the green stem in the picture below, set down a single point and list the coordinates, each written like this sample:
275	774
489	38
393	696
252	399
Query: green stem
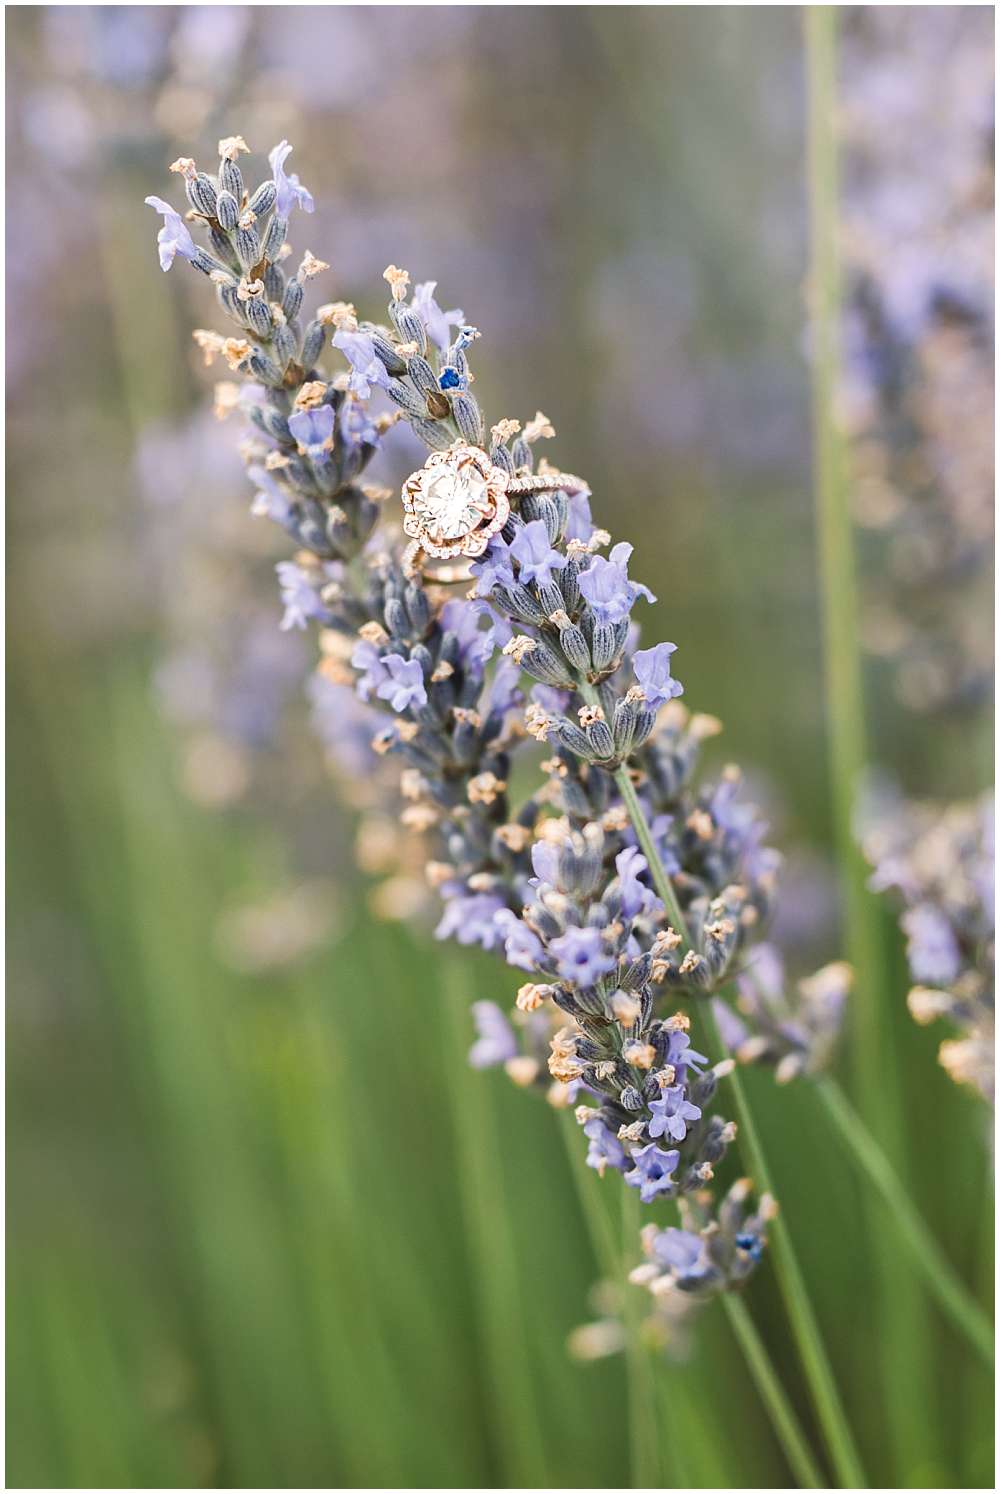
783	1418
829	1409
950	1291
898	1308
642	1415
615	1262
826	1398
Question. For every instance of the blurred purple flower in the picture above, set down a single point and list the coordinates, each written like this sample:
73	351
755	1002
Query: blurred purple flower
300	597
368	658
405	685
496	1041
313	432
522	946
494	569
581	956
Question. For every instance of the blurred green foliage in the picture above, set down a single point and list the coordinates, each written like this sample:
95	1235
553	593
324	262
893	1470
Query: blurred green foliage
272	1231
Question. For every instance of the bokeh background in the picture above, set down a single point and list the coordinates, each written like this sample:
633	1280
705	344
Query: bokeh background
265	1228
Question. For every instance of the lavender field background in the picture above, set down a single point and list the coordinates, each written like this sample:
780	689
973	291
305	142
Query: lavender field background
251	1241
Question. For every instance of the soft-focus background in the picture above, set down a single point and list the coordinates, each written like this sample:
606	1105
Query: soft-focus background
253	1240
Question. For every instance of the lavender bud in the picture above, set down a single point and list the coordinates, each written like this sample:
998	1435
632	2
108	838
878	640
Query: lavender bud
407	398
418	608
396	619
602	743
249	250
573	737
630	1098
225	250
518	601
231	178
227	210
569	584
422	375
292	299
272	421
259	316
603	646
574	646
262	368
644	725
312	344
201	194
433	435
285	344
543	665
206	263
521	454
263	199
468	418
549	596
500	457
623	726
231	304
387	355
274	283
275	237
408	325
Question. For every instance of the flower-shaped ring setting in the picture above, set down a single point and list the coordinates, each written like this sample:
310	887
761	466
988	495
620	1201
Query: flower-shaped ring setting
458	500
455	503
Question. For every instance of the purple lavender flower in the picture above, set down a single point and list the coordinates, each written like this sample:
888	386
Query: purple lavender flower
496	1041
545	863
652	670
476	644
522	946
436	322
290	189
174	237
681	1056
607	588
579	524
356	425
653	1171
504	691
470	918
605	1149
367	367
405	684
368	658
931	946
636	897
671	1113
581	956
683	1252
269	500
494	569
313	432
535	555
299	596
